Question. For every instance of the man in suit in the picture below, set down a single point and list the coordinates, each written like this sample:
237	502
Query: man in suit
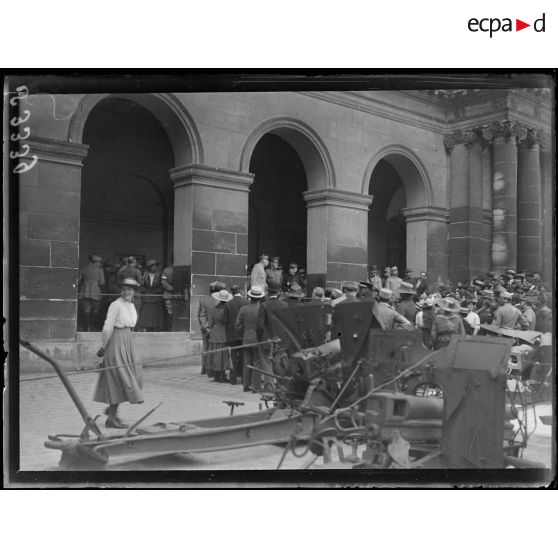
247	327
206	304
151	316
233	306
421	286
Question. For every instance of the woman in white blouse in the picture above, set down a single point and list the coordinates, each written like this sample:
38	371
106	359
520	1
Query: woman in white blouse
123	379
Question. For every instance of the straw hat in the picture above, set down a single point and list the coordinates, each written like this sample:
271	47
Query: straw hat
95	258
256	292
506	295
151	262
222	296
336	293
129	282
449	304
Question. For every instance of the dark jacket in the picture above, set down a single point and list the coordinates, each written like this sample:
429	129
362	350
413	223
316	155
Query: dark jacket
247	322
206	304
154	288
233	306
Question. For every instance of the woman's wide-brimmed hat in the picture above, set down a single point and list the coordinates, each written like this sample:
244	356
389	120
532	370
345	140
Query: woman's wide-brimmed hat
129	282
222	295
151	262
449	304
256	292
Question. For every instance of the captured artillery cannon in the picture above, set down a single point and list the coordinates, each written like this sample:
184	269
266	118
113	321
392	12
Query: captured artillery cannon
365	384
349	389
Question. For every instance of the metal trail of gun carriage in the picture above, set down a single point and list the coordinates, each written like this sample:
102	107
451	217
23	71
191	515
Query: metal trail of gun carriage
382	391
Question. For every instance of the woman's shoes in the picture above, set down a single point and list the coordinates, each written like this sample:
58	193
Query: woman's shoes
115	423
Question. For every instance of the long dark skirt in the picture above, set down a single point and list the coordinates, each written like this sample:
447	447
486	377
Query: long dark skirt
124	382
218	361
151	316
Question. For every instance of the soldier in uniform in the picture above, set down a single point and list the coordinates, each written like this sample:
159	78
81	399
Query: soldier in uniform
387	317
258	276
274	276
393	282
91	279
374	279
506	315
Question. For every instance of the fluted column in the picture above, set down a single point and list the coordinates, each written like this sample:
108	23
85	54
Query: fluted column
504	135
529	224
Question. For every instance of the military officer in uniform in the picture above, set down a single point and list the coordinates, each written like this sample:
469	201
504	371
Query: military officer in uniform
387	317
91	279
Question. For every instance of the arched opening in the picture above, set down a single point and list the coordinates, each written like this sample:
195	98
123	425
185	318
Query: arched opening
386	223
277	222
126	196
398	184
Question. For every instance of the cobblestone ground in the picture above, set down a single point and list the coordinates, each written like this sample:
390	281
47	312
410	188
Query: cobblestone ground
45	408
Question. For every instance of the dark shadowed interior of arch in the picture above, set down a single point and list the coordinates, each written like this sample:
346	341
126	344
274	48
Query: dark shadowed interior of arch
126	196
386	223
277	211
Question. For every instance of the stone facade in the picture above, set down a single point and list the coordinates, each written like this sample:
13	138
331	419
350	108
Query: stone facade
473	170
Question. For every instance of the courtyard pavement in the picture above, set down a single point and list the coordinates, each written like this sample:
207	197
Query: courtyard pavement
46	408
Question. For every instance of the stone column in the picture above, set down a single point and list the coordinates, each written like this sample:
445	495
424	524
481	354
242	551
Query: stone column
548	163
427	241
487	204
337	248
210	229
529	216
503	135
49	204
466	242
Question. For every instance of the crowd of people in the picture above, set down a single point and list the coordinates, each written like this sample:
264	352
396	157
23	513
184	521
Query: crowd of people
99	285
229	319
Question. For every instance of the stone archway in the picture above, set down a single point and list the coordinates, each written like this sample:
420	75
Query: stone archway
393	174
307	170
155	182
